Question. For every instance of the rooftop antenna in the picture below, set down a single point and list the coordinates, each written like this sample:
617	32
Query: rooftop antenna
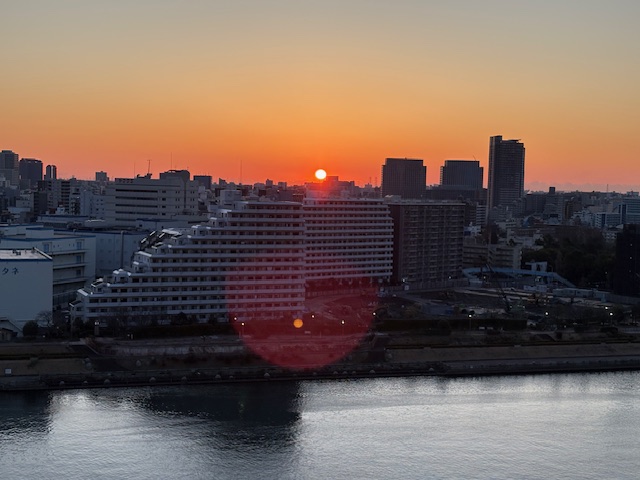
148	166
240	171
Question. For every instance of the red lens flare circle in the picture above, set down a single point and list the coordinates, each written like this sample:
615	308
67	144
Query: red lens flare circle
328	332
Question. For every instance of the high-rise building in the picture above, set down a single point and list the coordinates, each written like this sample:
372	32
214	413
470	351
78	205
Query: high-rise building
30	170
506	172
626	275
404	177
462	173
348	241
51	172
9	167
427	242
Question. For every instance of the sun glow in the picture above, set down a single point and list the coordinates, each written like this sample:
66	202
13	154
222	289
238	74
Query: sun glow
321	174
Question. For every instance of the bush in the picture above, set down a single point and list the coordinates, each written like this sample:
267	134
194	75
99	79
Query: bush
30	329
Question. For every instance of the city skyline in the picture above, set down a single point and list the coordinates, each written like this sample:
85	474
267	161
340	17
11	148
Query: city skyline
250	90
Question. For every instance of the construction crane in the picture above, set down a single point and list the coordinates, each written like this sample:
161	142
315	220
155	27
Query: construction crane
494	278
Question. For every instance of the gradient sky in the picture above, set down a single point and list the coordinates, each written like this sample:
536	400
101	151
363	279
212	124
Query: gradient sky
249	89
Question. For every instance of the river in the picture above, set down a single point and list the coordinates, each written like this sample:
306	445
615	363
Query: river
563	426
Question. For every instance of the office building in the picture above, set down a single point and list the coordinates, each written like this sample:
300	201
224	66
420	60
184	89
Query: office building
467	174
30	170
506	172
404	177
129	199
9	167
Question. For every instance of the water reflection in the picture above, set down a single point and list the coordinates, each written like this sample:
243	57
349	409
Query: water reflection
24	411
583	426
251	414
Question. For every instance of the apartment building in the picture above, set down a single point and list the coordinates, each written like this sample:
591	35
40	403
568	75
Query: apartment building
428	242
348	242
245	264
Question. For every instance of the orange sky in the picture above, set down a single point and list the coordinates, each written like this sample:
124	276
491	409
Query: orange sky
285	87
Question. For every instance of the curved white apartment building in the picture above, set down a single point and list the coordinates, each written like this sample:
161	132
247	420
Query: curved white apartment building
247	262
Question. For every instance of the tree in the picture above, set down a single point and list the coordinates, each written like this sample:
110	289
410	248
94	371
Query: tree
30	329
44	318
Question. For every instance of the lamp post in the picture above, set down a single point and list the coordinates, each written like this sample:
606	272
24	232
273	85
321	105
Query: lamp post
342	322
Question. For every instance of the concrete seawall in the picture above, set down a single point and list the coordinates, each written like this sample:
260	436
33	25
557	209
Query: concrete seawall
442	361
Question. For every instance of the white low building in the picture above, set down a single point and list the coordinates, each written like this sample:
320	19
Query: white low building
26	286
73	254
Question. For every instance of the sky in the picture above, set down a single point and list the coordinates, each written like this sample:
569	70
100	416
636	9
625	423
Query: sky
247	90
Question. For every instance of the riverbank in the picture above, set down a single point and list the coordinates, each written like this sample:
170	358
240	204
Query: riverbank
109	363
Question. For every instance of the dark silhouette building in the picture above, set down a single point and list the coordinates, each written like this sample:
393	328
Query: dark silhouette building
506	172
626	279
9	167
462	173
404	177
427	243
51	172
30	170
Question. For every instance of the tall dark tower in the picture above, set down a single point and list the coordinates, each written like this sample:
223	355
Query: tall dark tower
404	177
506	172
626	276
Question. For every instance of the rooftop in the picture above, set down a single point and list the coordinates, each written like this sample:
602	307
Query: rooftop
23	254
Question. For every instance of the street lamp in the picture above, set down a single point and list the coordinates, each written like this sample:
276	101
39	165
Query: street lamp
342	322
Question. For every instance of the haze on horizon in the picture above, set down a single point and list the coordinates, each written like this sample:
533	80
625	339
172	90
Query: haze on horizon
279	89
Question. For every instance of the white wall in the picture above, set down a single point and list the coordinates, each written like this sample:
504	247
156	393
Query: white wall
26	286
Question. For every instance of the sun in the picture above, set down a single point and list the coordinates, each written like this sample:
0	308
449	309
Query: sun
321	174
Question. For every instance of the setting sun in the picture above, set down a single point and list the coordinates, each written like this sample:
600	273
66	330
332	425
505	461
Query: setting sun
321	174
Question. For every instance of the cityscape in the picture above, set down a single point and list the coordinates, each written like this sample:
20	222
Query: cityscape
319	240
220	252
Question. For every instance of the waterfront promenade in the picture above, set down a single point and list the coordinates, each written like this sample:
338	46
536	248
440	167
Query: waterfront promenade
108	362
